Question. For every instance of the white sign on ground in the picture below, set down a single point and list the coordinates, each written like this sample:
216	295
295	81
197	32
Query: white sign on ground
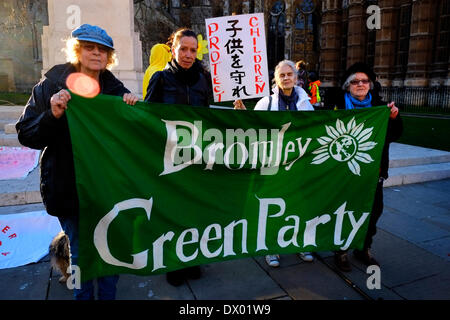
25	237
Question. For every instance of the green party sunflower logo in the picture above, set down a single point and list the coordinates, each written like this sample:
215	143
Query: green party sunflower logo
346	143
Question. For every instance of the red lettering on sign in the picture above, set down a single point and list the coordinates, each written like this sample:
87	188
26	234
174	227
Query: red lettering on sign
213	41
213	27
5	229
5	253
257	58
253	21
254	46
218	92
13	236
215	56
260	88
258	69
253	31
216	80
0	243
215	68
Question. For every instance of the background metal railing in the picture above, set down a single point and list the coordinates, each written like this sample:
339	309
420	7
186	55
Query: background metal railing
420	100
430	100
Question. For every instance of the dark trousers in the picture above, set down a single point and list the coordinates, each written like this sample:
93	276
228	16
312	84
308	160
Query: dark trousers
377	210
106	285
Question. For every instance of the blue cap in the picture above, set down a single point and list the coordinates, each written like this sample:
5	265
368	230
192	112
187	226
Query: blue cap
87	32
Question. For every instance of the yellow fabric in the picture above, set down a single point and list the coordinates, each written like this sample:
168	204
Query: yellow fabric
159	56
202	47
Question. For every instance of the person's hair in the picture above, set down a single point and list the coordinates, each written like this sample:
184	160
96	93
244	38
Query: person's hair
352	77
73	51
175	37
288	63
301	64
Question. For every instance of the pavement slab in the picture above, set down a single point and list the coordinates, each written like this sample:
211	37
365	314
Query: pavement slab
402	262
436	287
241	279
28	282
313	281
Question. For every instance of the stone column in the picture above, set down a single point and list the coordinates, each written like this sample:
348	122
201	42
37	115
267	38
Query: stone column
386	42
330	43
115	16
421	44
356	32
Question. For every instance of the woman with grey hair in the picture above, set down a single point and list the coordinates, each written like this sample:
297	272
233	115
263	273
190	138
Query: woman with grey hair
286	97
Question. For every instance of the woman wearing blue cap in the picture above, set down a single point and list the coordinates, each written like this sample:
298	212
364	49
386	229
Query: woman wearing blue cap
43	125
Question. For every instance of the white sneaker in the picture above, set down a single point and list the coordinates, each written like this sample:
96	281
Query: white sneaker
273	260
306	256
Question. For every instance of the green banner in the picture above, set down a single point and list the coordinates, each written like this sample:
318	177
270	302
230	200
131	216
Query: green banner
163	187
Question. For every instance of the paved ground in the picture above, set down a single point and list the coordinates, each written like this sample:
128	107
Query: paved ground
412	246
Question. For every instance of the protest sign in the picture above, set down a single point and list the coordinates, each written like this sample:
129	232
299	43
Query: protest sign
25	237
237	56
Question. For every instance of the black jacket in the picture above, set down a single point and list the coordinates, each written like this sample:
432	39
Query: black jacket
394	130
175	85
37	128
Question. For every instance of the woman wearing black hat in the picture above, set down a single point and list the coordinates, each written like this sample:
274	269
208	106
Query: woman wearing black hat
357	94
43	125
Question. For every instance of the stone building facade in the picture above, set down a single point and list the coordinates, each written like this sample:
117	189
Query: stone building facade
410	47
21	24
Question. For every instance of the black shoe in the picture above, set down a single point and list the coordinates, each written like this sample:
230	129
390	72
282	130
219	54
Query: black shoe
365	257
342	262
175	278
193	272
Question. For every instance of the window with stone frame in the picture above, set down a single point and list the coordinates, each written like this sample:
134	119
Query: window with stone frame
442	40
276	33
305	40
404	30
371	38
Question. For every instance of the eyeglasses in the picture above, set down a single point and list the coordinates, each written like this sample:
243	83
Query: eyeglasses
92	46
356	82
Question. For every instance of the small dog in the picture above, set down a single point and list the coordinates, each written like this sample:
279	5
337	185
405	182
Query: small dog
60	255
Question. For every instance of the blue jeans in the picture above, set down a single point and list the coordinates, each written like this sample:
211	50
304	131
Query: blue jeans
106	285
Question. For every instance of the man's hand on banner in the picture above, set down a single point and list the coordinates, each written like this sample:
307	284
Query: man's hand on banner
130	99
394	110
239	105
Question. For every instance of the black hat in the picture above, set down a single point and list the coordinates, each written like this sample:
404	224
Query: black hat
313	76
360	67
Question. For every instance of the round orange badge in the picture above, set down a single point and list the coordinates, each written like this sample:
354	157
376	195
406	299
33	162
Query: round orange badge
83	85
